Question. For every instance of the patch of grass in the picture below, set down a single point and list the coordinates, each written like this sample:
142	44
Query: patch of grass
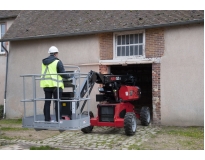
194	132
5	143
5	137
186	143
11	121
135	147
104	142
153	136
43	148
12	129
191	144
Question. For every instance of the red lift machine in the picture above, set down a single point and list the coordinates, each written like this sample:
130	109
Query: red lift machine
116	107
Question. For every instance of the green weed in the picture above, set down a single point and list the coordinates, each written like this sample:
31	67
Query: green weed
194	132
5	137
12	129
11	121
135	147
43	148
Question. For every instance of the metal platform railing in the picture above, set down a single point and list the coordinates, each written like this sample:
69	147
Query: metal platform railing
77	82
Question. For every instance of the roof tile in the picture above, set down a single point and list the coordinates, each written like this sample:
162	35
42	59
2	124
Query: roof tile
44	23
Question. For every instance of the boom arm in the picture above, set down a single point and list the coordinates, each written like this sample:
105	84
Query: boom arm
111	85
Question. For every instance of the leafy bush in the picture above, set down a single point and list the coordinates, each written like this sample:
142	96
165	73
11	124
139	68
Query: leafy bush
1	111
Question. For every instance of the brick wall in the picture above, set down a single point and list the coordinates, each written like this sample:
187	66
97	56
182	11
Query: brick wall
106	50
154	47
154	39
156	98
106	46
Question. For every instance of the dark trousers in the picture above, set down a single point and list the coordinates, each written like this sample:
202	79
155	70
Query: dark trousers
49	92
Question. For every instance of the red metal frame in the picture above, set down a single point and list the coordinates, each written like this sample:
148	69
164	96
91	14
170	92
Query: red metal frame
129	93
118	122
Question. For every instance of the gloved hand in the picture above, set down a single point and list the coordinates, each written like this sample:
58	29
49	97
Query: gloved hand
70	75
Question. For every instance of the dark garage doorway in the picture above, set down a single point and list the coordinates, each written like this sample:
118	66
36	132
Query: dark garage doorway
143	75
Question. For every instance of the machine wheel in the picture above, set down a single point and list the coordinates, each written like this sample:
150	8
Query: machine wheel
130	123
145	116
89	128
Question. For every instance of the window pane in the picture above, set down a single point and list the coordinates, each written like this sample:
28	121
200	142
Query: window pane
131	39
127	39
131	50
118	40
140	49
130	45
2	30
123	39
140	38
118	51
136	50
123	51
2	50
127	51
136	39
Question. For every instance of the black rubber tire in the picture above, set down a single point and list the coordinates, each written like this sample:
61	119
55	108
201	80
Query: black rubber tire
130	123
89	128
145	116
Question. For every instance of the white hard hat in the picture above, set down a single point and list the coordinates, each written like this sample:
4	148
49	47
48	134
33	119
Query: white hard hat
53	49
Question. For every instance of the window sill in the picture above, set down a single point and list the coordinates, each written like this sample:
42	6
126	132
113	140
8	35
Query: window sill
129	61
129	57
2	53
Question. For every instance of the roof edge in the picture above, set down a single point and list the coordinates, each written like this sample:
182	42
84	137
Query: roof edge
7	17
104	31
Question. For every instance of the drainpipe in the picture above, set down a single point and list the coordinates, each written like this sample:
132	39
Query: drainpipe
7	56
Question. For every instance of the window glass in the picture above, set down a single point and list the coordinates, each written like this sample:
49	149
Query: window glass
129	45
2	50
123	39
123	51
127	51
140	49
127	39
131	50
140	38
132	39
118	40
2	32
136	50
136	38
118	51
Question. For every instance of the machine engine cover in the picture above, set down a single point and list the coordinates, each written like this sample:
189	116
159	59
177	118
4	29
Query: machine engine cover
127	93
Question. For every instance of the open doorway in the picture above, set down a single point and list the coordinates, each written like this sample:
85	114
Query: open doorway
143	75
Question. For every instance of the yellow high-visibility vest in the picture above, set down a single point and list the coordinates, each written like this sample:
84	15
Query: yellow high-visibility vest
49	80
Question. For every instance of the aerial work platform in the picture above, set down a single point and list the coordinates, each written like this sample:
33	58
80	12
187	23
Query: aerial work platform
73	102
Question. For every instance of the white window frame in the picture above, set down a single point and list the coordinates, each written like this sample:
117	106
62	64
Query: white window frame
1	37
126	33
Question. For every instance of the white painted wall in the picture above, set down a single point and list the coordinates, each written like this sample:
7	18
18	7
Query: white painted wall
2	77
3	67
182	76
26	58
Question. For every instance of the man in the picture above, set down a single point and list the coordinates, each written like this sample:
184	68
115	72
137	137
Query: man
52	83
